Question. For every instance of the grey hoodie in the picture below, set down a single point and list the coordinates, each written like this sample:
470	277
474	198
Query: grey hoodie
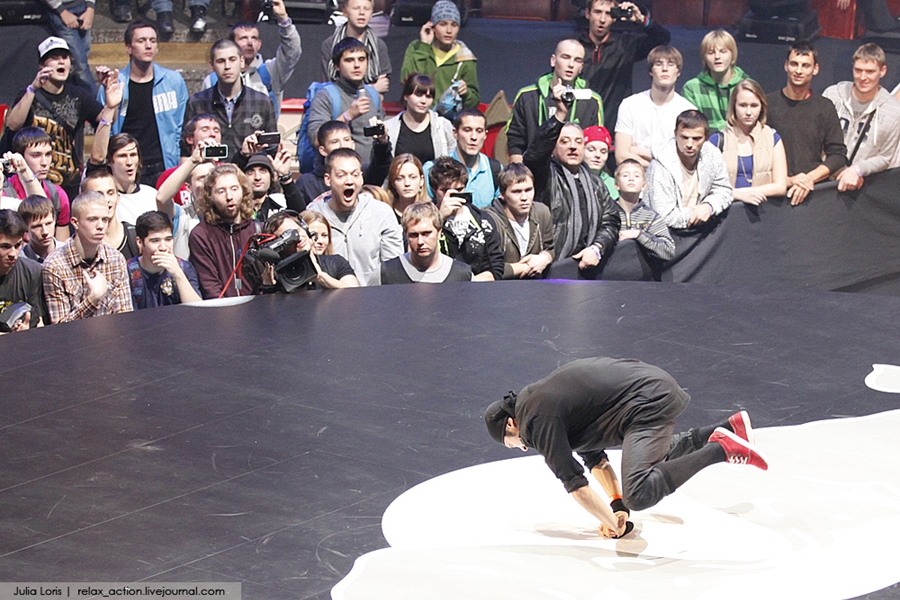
880	143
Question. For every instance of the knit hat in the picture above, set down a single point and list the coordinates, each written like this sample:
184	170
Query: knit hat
260	159
598	134
445	10
497	414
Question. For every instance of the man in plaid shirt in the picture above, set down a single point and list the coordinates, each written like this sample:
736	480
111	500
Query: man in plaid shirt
86	278
240	110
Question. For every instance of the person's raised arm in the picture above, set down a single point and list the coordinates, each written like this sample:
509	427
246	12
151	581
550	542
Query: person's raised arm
281	67
18	114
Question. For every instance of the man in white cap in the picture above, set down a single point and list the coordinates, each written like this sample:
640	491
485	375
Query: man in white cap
60	107
72	20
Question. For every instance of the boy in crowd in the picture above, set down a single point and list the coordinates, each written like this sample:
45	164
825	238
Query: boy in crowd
597	146
470	132
35	147
647	120
440	55
424	263
710	90
612	49
20	277
363	230
61	110
359	13
639	222
468	233
358	109
526	228
267	76
86	277
119	234
869	115
331	136
687	182
156	275
240	110
533	104
40	222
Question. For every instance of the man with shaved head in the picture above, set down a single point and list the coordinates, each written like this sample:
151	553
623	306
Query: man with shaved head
534	104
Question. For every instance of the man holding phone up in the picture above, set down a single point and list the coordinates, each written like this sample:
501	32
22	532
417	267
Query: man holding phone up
360	104
469	235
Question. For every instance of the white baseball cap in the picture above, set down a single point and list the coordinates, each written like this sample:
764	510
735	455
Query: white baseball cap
50	44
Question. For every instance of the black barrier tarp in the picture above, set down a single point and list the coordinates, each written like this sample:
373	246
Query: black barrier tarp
833	241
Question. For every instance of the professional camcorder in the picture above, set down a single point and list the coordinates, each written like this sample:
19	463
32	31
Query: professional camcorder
292	270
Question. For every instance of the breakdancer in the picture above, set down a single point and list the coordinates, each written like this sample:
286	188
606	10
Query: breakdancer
592	404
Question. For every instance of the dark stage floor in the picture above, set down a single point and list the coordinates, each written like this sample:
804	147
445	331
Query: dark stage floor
261	443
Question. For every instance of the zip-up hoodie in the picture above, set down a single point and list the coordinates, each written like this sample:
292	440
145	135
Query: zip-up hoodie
215	251
170	96
710	98
530	112
881	140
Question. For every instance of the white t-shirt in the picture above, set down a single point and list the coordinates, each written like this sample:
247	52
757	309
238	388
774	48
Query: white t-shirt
648	124
523	234
7	203
133	205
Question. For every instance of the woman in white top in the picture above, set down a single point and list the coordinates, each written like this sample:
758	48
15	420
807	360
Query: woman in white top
418	130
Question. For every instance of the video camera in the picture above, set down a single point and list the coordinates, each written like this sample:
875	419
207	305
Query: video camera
292	270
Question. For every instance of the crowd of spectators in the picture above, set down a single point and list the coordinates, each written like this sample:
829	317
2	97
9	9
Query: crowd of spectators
188	197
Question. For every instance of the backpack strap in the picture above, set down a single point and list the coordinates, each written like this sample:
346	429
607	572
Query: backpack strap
265	76
495	172
335	94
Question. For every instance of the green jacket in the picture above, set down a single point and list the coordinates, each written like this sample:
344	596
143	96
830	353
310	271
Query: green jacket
419	58
530	111
711	98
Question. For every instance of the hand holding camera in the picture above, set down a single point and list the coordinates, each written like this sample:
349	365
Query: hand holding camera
627	11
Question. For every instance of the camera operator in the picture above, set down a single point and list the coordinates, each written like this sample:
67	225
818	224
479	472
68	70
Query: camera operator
610	52
332	270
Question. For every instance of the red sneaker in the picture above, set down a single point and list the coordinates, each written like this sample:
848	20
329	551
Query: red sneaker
740	424
737	450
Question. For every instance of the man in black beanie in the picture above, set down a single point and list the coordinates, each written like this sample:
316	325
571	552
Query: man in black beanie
591	404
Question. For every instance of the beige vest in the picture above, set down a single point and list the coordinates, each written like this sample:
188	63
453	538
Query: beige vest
763	138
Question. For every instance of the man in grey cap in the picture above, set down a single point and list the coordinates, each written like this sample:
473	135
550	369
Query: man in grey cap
591	404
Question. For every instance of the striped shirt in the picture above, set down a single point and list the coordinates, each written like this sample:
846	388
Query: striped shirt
67	293
654	234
